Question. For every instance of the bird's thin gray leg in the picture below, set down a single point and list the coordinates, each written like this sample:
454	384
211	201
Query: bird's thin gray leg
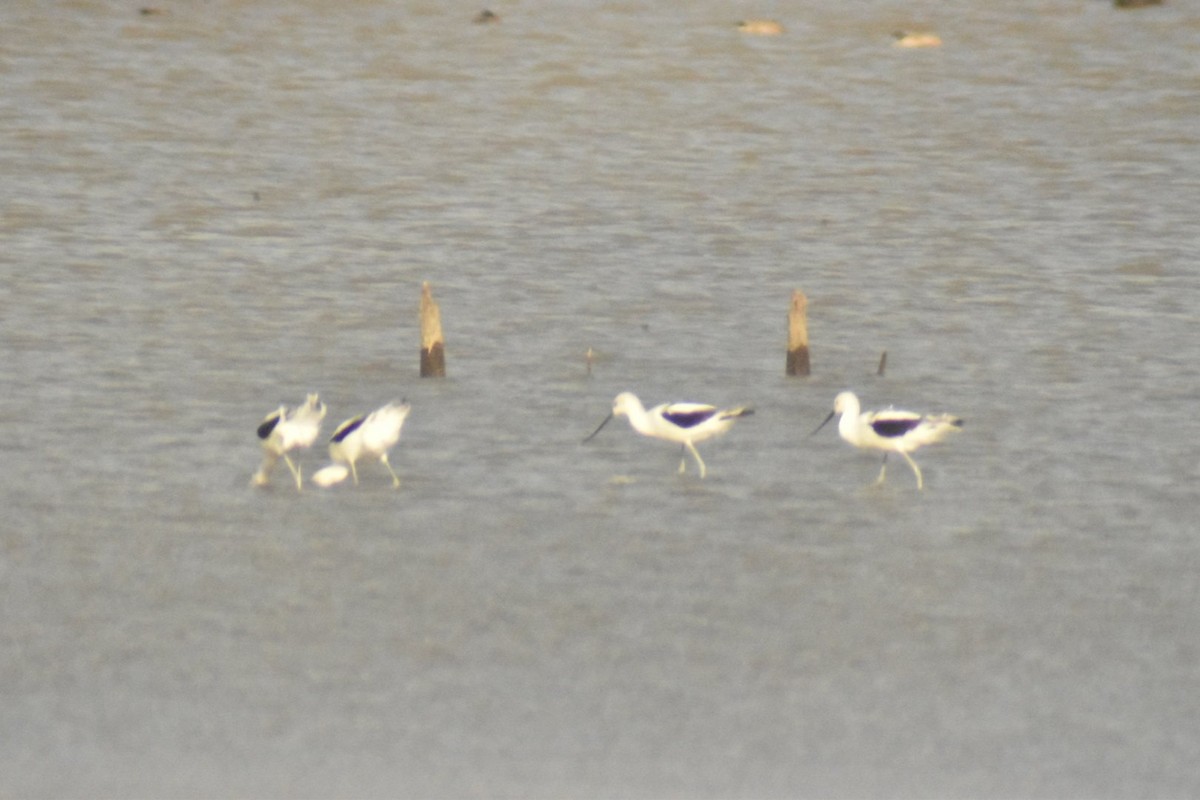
916	470
699	460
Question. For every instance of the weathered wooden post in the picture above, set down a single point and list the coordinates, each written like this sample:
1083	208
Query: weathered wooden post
433	347
797	349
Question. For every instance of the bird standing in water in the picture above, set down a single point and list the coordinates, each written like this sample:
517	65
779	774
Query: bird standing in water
683	423
370	435
889	430
285	430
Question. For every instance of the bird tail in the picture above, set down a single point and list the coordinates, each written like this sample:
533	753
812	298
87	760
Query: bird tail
946	423
734	413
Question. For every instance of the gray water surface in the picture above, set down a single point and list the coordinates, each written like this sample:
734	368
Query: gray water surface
213	210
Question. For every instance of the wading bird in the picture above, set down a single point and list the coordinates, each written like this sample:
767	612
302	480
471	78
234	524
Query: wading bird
372	435
889	430
683	423
287	429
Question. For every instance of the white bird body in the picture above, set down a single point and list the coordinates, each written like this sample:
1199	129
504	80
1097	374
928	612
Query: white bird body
372	435
890	430
285	430
683	423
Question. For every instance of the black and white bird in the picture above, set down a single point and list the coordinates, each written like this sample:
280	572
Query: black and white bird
287	429
365	436
889	430
683	423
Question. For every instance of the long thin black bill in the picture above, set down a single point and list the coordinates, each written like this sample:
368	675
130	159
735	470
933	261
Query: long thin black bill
602	424
822	425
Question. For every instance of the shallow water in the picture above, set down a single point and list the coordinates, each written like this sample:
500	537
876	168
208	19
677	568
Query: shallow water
210	211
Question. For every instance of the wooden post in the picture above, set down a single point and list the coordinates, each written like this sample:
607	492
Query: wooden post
797	350
433	347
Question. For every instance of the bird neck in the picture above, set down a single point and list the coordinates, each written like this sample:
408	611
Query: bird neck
850	425
639	420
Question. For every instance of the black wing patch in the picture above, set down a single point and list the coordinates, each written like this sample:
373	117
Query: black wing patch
688	419
268	425
892	428
347	429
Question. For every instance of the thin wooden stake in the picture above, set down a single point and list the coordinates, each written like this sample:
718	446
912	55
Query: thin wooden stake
797	352
882	364
433	347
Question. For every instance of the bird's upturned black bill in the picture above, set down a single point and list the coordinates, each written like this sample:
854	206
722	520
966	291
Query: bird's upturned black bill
602	424
822	425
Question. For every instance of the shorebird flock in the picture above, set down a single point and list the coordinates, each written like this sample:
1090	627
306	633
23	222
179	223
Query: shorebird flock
372	436
365	436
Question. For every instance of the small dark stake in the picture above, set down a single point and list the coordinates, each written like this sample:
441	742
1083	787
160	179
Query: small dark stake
433	348
797	352
882	364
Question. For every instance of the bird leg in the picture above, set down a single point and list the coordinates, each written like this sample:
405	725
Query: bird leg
354	472
295	472
395	477
882	470
699	460
916	470
682	459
